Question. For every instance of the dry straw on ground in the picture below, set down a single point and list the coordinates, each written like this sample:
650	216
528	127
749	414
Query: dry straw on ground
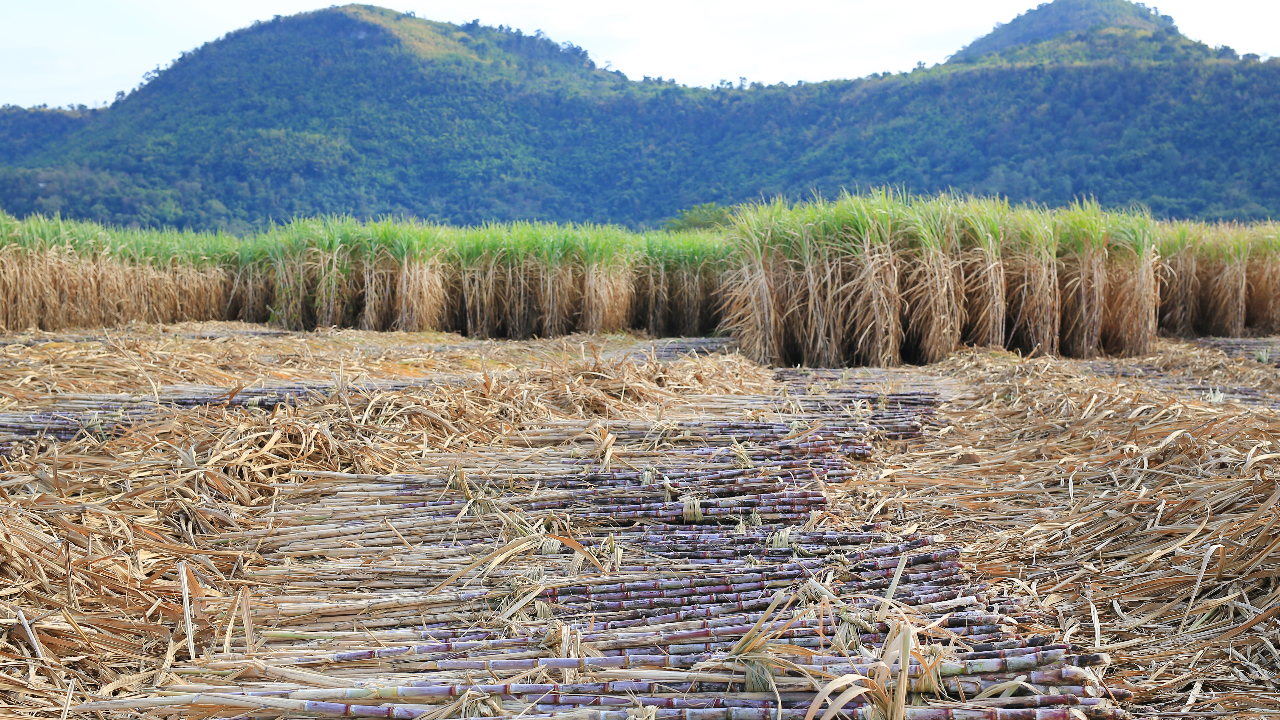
560	530
1137	499
549	528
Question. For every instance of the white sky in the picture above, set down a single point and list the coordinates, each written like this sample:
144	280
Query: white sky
82	51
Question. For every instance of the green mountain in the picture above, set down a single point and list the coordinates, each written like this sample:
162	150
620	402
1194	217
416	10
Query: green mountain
366	111
1063	17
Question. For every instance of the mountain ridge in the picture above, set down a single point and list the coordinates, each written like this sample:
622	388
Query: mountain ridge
371	112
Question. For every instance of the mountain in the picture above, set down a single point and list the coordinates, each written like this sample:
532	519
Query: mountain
366	111
1063	17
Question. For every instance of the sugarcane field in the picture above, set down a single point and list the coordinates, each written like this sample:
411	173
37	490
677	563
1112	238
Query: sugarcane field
882	457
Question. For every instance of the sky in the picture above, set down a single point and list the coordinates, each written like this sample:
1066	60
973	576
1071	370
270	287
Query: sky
60	52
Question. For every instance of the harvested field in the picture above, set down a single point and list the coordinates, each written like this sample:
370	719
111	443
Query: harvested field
216	520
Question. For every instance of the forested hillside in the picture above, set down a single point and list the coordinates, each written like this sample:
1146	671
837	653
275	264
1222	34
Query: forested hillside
366	111
1061	17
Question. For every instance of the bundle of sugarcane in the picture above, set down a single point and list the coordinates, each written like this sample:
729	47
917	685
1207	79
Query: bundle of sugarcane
696	681
326	523
1262	350
713	433
720	604
68	414
671	349
477	409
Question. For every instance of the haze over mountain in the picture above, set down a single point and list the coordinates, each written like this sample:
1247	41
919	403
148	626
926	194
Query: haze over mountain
363	110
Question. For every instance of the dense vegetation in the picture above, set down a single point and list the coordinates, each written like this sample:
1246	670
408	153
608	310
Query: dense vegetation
875	279
368	112
1051	20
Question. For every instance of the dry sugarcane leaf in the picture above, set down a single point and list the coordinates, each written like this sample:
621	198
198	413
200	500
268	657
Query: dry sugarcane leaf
577	547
